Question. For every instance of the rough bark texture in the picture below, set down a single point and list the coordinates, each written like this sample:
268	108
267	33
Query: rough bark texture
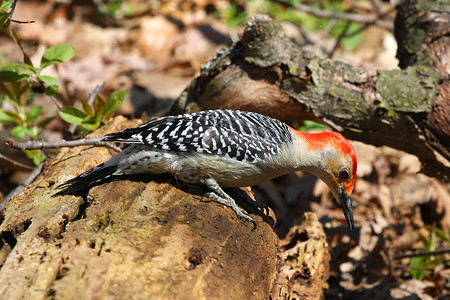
303	267
406	109
142	238
149	238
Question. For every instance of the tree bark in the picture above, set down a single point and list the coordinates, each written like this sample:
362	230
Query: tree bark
406	109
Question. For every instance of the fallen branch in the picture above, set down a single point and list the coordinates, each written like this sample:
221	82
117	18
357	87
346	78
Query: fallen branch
342	16
268	73
16	163
423	253
55	145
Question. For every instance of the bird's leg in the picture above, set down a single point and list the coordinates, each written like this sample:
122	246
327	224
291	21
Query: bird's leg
220	196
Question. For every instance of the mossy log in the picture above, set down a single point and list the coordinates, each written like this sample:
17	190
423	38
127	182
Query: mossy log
406	109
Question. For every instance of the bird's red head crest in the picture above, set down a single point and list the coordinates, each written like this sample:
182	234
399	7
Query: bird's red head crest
322	140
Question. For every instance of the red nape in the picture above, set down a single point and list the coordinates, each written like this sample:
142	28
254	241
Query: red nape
320	140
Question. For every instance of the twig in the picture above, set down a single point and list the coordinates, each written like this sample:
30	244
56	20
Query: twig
55	101
55	145
365	26
412	268
95	92
342	16
16	163
423	253
21	22
10	19
377	5
13	8
21	186
339	39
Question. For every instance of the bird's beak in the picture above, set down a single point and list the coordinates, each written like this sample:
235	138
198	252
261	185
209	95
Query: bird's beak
346	202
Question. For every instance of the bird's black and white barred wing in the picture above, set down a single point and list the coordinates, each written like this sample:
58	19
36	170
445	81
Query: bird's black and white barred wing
245	136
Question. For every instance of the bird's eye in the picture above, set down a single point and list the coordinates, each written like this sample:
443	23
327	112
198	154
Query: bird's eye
344	174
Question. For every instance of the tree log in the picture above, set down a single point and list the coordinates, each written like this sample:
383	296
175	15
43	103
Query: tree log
129	238
268	73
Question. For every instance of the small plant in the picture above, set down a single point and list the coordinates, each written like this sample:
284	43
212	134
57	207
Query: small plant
19	84
421	266
234	15
4	15
309	126
19	80
90	117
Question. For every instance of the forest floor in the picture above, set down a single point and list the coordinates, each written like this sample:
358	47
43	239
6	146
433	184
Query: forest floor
155	52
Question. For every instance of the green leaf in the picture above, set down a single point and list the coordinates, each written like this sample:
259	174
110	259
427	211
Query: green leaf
22	72
86	107
35	155
441	234
91	123
3	18
25	69
12	116
309	125
57	54
11	76
418	263
235	15
5	118
84	131
5	5
44	122
99	107
19	132
72	115
22	90
14	36
33	132
51	90
50	80
9	66
33	113
114	101
353	37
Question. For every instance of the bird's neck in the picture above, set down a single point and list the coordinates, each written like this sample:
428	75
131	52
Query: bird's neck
310	150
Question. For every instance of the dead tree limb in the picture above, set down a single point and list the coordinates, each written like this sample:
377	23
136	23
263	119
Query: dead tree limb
406	109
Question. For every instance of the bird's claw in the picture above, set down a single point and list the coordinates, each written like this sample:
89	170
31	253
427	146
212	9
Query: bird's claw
241	213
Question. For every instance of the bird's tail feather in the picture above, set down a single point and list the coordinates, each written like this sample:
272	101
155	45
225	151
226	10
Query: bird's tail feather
86	180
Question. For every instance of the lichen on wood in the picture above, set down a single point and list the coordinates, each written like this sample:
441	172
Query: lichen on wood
268	73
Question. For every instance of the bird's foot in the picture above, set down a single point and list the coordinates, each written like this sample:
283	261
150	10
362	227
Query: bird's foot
242	214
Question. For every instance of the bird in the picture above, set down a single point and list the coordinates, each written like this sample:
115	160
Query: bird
227	148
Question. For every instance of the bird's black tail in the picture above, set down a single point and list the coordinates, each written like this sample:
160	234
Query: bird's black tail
86	180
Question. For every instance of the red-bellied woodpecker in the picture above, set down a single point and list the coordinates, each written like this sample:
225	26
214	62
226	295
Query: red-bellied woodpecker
228	148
